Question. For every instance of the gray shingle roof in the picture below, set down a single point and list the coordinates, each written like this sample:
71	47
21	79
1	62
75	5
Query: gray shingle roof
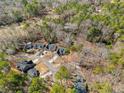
61	51
33	72
51	47
25	65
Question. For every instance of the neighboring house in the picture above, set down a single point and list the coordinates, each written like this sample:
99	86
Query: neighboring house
25	66
33	72
47	47
28	46
38	46
51	47
61	51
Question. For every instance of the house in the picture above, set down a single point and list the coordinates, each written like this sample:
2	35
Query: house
33	72
51	47
28	46
61	51
25	66
38	46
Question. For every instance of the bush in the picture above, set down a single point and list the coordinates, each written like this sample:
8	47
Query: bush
3	64
17	16
67	50
76	47
48	33
63	73
32	8
94	34
19	91
37	85
2	56
24	25
6	20
117	58
103	87
12	81
98	70
110	68
57	88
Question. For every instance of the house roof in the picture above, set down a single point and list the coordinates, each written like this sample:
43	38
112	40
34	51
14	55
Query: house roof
33	72
41	68
25	65
61	51
28	46
38	46
51	47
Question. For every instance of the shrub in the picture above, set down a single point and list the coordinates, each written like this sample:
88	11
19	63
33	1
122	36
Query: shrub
2	56
19	91
98	70
69	90
57	88
103	87
117	58
12	81
6	20
110	68
37	86
3	64
48	33
94	34
67	50
17	16
76	47
63	73
32	8
24	25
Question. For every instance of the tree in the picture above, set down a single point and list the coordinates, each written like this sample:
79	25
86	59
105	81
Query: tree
63	73
24	2
57	88
37	86
12	81
94	34
32	8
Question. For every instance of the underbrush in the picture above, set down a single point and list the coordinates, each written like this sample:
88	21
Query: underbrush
117	58
102	87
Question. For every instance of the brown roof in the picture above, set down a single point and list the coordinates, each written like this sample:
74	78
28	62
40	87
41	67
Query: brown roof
42	68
